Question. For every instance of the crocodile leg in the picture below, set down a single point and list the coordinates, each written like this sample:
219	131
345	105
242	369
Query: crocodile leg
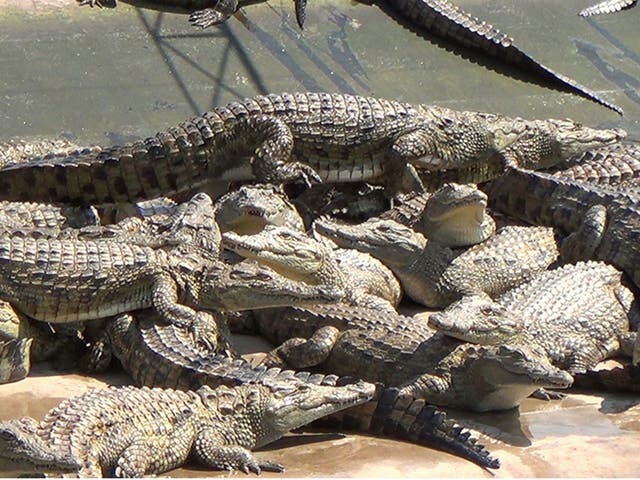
300	353
165	301
15	359
211	449
582	244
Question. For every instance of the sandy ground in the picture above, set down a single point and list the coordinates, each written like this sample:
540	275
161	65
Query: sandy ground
584	435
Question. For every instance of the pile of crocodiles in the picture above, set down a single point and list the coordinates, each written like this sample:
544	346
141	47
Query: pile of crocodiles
439	18
314	220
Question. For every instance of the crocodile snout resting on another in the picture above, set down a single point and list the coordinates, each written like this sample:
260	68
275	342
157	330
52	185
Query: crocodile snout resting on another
128	431
578	315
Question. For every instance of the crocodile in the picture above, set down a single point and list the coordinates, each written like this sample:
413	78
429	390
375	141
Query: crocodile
447	21
297	256
405	353
251	207
433	274
76	279
579	315
608	6
613	166
307	137
132	432
601	224
162	355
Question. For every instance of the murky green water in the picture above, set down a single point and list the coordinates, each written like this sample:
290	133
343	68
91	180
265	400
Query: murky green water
111	75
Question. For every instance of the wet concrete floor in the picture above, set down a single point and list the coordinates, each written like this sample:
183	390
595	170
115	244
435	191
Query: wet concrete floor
113	75
587	434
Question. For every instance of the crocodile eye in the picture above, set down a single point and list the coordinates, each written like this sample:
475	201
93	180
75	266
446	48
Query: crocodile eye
489	310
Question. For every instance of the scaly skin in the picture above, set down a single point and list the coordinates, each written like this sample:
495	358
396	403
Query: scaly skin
299	257
447	21
17	151
613	166
128	431
577	314
274	138
350	201
405	353
161	355
251	207
603	223
75	279
435	275
294	137
608	6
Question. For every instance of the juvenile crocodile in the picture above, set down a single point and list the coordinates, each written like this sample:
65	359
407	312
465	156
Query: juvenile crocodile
160	355
578	315
285	138
132	432
299	257
608	6
434	274
402	352
603	224
76	279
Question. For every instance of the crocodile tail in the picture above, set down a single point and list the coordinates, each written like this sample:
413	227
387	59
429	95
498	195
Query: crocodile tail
448	21
407	418
19	443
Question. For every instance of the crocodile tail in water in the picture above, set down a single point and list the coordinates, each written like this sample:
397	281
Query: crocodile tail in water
608	6
447	21
392	415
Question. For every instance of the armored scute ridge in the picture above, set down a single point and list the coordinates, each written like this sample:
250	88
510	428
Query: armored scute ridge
167	280
303	137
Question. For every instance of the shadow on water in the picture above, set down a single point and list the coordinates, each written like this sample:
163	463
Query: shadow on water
473	55
632	55
628	84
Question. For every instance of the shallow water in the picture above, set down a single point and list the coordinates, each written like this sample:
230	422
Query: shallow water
110	75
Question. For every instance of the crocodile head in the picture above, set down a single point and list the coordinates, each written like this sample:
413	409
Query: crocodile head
456	216
248	285
194	222
274	406
573	138
250	208
478	319
544	143
387	240
291	253
20	443
501	376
